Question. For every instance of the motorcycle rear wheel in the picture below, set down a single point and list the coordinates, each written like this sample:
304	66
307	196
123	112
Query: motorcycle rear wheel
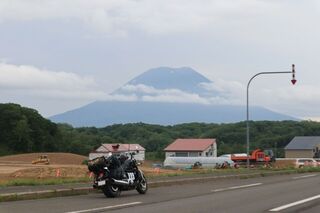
110	190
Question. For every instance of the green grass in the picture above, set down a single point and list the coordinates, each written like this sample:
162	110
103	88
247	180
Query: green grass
289	168
37	182
309	169
198	172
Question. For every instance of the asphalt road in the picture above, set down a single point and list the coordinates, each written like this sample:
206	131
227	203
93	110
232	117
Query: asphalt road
286	193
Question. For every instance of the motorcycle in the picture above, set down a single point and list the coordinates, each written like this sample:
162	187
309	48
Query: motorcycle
117	173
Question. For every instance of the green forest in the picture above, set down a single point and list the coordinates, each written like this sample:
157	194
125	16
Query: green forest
24	130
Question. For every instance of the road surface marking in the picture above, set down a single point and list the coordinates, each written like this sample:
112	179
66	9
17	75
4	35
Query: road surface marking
294	203
106	208
236	187
305	176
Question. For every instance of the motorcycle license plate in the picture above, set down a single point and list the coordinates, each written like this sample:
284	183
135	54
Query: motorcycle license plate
101	183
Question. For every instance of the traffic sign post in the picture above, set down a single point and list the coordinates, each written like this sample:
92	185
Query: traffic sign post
293	81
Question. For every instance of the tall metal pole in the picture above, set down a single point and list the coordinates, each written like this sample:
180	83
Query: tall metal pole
261	73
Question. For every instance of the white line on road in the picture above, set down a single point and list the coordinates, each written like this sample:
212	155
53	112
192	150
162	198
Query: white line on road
237	187
294	203
305	176
106	208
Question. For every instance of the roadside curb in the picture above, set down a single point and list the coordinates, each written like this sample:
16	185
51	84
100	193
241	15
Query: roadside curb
44	194
152	184
205	179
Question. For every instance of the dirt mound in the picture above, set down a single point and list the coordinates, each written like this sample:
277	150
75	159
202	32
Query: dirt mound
55	158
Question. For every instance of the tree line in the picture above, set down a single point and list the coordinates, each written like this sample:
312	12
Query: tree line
24	130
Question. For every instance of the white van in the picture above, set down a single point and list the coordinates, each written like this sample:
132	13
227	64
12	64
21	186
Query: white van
305	162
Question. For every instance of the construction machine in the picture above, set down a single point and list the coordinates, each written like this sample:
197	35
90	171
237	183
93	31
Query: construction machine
42	159
257	157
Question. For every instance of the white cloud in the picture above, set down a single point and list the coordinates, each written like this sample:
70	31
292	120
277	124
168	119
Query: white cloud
50	92
151	16
298	100
230	39
232	90
26	84
227	94
175	97
37	82
29	82
129	88
151	94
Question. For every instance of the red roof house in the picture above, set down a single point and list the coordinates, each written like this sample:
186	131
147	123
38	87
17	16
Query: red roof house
192	148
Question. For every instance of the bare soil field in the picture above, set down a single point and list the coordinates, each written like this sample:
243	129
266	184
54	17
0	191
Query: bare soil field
61	165
64	165
67	165
55	158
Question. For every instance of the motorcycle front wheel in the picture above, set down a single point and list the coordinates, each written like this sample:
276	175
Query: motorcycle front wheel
110	190
143	185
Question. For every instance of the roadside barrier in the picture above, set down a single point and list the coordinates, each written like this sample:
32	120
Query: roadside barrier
156	170
58	174
90	174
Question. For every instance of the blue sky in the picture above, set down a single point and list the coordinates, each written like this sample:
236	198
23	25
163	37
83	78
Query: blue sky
57	55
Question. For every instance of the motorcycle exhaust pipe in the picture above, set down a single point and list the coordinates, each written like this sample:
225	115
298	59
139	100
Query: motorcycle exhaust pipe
121	182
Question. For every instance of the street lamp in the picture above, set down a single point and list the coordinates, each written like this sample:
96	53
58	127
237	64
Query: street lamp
293	81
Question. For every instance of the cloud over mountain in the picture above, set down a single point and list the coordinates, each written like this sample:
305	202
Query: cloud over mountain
168	96
40	88
180	85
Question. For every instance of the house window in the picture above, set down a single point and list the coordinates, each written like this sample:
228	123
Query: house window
181	154
193	154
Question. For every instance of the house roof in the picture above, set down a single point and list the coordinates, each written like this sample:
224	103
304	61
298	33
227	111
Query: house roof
190	145
110	147
303	142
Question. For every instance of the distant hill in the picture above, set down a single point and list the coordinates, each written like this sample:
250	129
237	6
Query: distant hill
164	96
100	114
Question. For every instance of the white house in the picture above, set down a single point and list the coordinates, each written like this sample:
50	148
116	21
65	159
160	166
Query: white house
192	148
106	149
